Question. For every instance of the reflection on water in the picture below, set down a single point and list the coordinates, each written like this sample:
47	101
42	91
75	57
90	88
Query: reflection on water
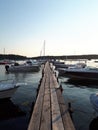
11	116
94	124
87	83
9	110
15	113
78	94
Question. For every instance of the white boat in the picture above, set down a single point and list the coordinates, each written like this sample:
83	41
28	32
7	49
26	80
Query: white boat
7	90
94	100
28	66
63	70
86	73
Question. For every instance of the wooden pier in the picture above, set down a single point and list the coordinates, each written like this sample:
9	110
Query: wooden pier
50	111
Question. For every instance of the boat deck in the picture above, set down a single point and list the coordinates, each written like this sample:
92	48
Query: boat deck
50	111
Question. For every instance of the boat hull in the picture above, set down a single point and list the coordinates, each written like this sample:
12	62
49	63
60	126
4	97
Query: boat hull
83	75
8	93
79	73
23	69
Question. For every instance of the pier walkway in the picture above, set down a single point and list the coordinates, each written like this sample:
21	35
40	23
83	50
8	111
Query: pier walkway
50	111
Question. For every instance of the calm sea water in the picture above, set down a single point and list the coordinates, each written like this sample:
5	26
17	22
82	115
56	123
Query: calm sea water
78	94
15	113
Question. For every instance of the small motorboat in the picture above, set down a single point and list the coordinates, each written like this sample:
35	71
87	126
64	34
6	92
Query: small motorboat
7	89
28	66
94	100
83	73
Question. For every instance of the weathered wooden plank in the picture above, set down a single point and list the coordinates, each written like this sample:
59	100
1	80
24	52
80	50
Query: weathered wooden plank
36	116
56	85
67	121
46	113
57	123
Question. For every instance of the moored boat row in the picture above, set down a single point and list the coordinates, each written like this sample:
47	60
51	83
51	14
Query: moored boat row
78	71
82	73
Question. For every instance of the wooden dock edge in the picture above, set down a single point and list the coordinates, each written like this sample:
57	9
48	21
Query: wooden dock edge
44	108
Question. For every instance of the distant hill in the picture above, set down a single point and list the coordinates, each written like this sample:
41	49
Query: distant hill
12	57
89	57
19	57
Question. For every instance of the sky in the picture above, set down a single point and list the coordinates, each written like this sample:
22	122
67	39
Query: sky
68	27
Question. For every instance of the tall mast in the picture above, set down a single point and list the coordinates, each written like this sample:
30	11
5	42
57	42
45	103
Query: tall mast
40	53
44	47
4	51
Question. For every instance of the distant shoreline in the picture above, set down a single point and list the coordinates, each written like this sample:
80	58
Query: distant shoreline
63	57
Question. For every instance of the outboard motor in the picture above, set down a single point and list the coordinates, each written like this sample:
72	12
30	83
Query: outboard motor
6	67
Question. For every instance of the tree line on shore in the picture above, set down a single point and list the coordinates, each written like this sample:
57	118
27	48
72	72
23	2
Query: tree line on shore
64	57
12	57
